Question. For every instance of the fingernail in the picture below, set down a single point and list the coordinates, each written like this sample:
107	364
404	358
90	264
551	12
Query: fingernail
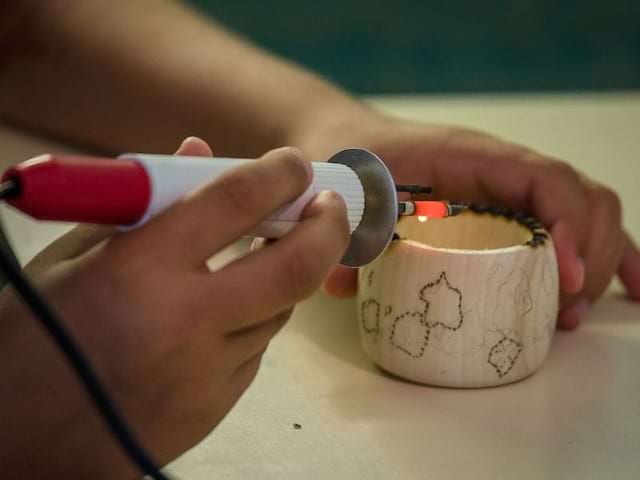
185	142
299	156
332	197
309	167
572	316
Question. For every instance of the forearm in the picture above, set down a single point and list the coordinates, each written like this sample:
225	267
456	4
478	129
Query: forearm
141	75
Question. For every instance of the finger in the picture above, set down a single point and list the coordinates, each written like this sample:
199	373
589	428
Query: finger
629	271
236	384
194	147
289	270
72	244
480	168
571	267
213	216
342	282
603	254
552	191
244	376
475	167
247	342
571	316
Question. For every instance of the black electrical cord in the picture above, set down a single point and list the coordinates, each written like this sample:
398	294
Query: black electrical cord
78	360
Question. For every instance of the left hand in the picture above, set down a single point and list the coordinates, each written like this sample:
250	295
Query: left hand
583	216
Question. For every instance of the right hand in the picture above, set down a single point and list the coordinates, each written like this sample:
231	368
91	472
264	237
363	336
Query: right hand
175	344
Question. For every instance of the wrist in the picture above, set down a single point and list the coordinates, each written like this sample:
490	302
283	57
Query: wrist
332	126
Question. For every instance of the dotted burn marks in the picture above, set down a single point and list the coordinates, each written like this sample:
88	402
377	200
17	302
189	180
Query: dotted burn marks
411	330
370	315
410	334
503	355
539	235
439	304
370	278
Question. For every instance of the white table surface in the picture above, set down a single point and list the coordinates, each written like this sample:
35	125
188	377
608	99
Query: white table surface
578	417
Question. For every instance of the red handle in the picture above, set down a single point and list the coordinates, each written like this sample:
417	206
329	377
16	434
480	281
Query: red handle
81	189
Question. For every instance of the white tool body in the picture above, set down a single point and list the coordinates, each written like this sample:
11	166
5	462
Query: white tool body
171	178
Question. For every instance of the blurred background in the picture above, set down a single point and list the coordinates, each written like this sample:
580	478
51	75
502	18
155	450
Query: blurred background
432	46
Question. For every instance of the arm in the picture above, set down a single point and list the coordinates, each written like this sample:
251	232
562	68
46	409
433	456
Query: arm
137	77
141	75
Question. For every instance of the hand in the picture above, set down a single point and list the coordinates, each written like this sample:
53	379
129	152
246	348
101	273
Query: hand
583	216
175	344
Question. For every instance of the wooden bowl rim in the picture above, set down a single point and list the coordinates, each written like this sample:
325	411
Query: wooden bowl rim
540	236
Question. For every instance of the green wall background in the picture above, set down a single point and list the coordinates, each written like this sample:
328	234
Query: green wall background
454	46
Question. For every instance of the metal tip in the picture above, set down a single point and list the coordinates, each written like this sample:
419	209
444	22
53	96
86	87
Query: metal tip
413	189
456	208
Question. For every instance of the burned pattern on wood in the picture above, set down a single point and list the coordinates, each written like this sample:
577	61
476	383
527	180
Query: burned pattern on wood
411	330
538	235
503	355
443	308
370	315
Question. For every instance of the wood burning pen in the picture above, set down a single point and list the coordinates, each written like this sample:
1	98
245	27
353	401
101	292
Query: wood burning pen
133	188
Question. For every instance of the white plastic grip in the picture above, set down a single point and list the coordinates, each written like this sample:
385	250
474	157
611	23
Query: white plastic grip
172	177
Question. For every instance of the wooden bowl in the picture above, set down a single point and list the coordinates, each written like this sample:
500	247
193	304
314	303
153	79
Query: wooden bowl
468	301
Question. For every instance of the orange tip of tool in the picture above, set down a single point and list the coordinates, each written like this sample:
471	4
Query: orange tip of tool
431	209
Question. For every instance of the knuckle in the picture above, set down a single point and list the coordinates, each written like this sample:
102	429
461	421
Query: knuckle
612	200
291	163
612	203
241	192
525	154
563	170
459	135
543	164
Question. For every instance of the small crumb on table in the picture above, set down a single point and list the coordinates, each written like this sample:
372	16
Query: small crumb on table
297	426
